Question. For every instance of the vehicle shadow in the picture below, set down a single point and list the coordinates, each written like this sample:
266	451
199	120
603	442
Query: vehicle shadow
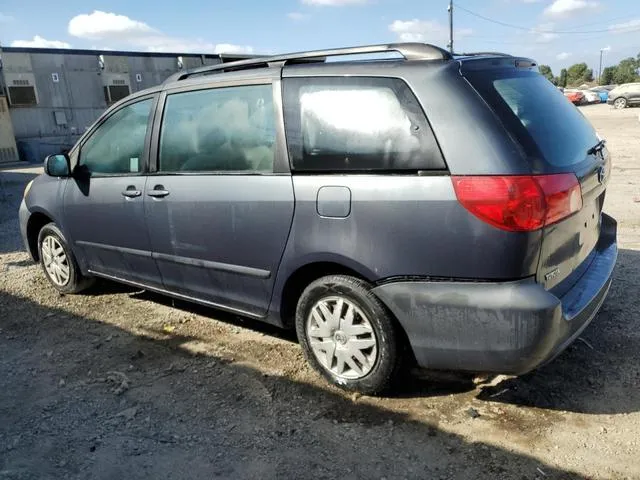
12	186
414	382
600	372
106	287
80	395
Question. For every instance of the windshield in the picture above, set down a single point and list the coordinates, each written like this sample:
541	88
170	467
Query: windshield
537	114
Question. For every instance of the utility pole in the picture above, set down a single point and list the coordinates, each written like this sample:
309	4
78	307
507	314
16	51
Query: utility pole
450	10
602	50
600	69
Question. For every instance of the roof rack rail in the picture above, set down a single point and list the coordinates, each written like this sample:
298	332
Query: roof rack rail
410	51
475	54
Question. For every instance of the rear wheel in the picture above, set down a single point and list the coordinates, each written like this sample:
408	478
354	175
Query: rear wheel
348	335
58	262
620	103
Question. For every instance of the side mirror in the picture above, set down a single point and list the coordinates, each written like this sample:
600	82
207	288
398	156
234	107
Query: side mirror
57	166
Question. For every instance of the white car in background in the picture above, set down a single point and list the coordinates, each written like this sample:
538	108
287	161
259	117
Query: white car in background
591	96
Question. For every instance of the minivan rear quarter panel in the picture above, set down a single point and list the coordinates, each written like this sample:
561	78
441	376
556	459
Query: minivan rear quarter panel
403	225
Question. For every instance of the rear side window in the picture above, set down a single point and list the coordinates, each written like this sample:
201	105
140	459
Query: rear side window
541	118
357	124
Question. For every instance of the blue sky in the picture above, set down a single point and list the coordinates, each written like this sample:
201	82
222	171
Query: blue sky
271	26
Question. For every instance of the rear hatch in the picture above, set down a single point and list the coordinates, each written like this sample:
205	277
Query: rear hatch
556	139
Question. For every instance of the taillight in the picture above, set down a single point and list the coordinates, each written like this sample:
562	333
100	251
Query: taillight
520	203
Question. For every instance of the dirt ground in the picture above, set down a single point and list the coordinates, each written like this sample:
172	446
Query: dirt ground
119	383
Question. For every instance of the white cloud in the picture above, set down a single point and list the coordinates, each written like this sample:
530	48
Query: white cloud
99	25
425	31
566	8
39	42
123	32
231	48
334	3
630	26
177	45
297	16
543	33
563	55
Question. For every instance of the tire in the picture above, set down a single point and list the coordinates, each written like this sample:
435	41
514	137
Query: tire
331	346
58	262
620	103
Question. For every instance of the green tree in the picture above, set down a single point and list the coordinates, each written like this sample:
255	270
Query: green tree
608	75
562	79
545	70
579	73
626	71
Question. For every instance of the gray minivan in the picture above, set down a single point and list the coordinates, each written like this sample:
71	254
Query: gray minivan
437	209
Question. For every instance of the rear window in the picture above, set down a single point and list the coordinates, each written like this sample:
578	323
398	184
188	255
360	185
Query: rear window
539	116
357	124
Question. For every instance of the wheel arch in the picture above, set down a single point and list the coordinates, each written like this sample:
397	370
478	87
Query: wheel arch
306	273
37	220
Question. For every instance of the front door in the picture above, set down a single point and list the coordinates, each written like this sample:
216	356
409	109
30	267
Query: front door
218	214
104	201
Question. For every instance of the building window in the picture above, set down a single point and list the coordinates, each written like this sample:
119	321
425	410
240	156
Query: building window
118	92
22	96
113	93
55	77
138	77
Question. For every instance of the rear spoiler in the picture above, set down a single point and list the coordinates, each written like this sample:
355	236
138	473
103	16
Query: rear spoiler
490	62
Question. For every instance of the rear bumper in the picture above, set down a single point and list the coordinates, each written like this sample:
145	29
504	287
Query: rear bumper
509	327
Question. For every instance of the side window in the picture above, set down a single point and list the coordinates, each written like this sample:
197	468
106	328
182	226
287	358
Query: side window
357	124
219	130
118	144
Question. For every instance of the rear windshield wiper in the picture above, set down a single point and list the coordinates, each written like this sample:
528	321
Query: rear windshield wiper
598	147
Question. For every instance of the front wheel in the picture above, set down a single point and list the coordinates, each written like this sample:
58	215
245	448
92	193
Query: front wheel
348	335
620	103
58	262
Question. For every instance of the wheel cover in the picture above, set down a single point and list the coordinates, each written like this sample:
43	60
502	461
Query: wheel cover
620	103
342	338
55	260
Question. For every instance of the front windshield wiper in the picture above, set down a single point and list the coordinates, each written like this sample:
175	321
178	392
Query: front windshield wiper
598	147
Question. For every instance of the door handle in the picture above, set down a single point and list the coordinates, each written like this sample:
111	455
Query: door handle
158	192
131	192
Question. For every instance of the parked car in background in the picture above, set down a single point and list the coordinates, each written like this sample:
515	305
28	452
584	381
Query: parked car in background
574	96
603	92
338	200
625	95
591	96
